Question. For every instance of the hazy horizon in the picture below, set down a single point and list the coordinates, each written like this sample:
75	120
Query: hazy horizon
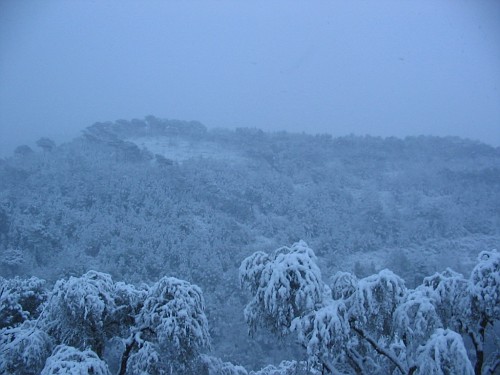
386	69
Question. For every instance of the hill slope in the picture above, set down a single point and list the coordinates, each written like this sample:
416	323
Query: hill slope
145	198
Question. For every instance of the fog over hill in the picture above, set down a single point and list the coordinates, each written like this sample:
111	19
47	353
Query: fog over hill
143	199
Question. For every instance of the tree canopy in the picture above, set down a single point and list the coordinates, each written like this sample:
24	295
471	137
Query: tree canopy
131	202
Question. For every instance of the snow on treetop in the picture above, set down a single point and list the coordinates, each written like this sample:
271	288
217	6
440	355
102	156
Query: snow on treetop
444	353
343	284
485	283
90	295
286	284
376	299
24	349
416	318
323	330
175	311
71	361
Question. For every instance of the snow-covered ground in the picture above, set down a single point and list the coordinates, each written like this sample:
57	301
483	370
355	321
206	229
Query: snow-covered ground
180	149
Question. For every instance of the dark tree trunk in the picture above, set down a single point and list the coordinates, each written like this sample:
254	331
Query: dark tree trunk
126	354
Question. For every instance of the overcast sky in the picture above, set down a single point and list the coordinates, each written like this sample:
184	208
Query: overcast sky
364	67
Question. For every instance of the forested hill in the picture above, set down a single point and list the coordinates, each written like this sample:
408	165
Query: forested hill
146	198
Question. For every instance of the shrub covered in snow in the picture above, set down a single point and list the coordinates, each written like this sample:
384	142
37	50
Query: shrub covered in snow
485	285
24	349
284	284
67	360
20	300
209	365
174	313
287	368
444	353
81	311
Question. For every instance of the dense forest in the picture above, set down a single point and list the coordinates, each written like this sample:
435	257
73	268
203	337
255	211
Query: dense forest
154	246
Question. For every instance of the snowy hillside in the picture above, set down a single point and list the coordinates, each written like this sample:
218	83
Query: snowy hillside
179	149
145	199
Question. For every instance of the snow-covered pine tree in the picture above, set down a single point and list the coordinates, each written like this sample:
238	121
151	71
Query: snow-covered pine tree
24	349
484	289
80	310
86	311
375	325
170	330
20	300
443	353
285	284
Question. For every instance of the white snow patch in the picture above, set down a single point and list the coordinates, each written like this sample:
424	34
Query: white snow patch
181	149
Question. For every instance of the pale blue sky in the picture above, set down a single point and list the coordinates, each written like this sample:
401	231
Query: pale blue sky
364	67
